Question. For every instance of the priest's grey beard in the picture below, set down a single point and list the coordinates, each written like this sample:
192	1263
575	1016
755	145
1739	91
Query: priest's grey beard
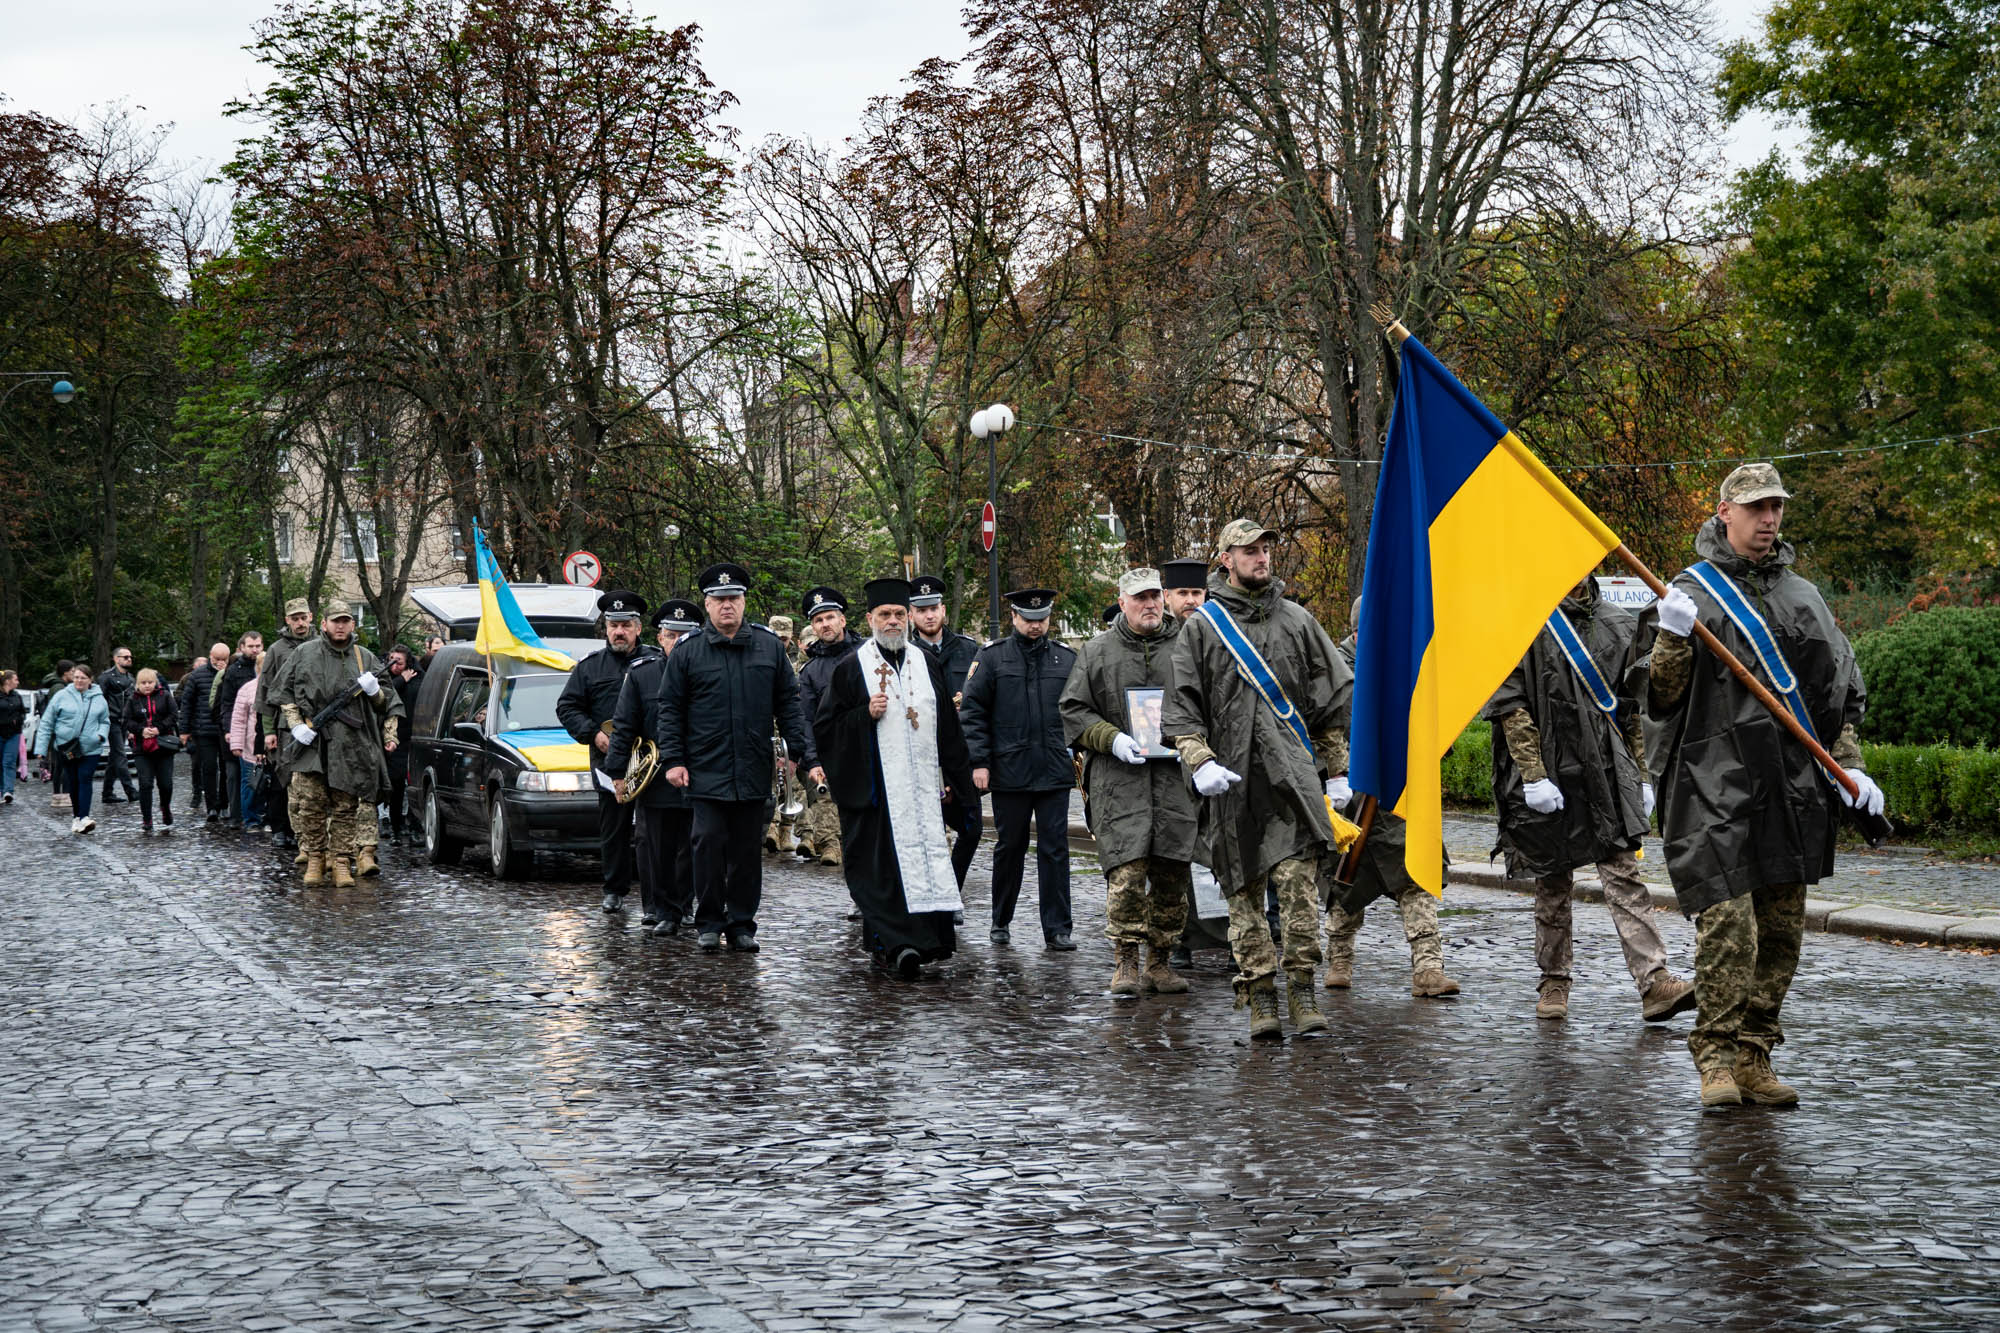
890	639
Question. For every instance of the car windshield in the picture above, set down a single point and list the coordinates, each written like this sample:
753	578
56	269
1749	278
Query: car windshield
528	701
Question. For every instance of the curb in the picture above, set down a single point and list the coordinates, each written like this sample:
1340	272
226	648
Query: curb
1822	914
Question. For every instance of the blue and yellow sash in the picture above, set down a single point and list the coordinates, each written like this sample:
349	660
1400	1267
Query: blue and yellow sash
1737	607
1255	670
1582	663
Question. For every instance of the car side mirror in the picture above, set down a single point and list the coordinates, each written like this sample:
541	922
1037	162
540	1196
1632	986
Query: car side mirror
468	733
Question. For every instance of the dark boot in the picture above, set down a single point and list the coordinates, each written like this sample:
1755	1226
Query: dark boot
1307	1020
1262	997
1159	976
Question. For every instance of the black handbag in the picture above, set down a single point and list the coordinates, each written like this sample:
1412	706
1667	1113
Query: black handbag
71	751
168	742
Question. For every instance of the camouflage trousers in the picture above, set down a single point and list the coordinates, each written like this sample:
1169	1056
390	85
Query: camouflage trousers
1420	927
1297	883
1146	901
819	827
1631	911
1745	952
323	818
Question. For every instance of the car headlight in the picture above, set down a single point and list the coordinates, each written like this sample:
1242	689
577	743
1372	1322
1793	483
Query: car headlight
529	779
564	781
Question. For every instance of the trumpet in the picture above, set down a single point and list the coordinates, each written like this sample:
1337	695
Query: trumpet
639	770
790	804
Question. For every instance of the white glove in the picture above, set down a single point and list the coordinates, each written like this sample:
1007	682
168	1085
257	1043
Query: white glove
1646	790
1544	797
1338	791
369	685
304	734
1212	779
1869	798
1125	748
1678	613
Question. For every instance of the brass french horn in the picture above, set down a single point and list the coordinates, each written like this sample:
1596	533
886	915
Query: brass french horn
639	770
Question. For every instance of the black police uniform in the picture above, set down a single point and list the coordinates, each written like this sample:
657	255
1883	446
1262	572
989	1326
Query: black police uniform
1014	728
662	820
719	700
954	653
585	706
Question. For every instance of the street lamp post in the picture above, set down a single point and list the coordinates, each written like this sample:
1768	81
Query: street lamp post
62	390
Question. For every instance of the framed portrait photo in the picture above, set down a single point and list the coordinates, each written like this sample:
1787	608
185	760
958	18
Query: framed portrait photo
1143	706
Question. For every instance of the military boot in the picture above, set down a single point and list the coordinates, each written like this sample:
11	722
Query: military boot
1340	974
1307	1020
1718	1088
300	859
1262	997
1432	984
1159	975
1758	1083
343	878
1125	977
1554	999
1666	997
315	870
365	863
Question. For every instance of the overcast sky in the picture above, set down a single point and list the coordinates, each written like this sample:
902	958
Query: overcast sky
796	66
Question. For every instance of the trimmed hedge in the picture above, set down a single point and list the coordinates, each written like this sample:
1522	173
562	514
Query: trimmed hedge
1931	788
1934	678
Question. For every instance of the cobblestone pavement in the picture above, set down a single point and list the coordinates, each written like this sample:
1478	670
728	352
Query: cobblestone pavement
1892	877
442	1101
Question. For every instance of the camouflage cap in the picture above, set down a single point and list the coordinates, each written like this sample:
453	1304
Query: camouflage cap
1753	482
337	610
298	606
1135	581
781	624
1242	532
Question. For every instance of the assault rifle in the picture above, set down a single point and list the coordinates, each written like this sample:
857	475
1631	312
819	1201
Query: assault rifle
319	720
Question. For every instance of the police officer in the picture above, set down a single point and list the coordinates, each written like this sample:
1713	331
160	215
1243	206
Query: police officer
828	644
660	815
724	691
954	652
1014	729
585	708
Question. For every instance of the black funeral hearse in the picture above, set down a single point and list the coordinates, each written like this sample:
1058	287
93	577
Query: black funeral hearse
489	762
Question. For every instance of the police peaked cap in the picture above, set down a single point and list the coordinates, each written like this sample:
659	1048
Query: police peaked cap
1110	615
926	590
887	592
1033	603
677	613
821	599
622	604
724	580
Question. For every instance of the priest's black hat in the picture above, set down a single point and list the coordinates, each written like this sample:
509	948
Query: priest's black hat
821	599
724	580
677	613
622	604
887	592
1184	573
1033	603
926	590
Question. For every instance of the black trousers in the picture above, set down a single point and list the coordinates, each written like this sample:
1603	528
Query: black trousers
399	782
661	842
208	752
966	822
728	839
232	784
156	770
1012	812
614	838
118	765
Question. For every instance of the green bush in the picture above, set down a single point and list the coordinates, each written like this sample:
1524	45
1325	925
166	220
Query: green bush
1934	678
1468	769
1936	788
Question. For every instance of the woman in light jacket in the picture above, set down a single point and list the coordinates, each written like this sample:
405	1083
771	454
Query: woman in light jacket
77	714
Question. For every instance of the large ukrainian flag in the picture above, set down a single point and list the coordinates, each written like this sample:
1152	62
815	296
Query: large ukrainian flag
503	630
1473	544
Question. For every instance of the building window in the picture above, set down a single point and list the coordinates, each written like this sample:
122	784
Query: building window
284	539
285	460
365	525
1114	526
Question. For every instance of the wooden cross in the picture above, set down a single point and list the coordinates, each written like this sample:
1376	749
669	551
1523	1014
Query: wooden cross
882	674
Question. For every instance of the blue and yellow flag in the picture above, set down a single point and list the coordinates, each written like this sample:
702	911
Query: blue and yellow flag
503	630
1474	542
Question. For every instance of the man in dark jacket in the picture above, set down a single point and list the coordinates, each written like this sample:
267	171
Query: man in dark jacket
661	819
725	690
1748	818
222	691
588	700
408	680
1012	713
1141	813
1569	780
198	723
828	641
116	683
298	629
954	653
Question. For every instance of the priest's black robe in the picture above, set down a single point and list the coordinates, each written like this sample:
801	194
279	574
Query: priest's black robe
844	735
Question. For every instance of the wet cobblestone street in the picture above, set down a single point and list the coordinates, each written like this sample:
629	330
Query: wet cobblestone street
441	1101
